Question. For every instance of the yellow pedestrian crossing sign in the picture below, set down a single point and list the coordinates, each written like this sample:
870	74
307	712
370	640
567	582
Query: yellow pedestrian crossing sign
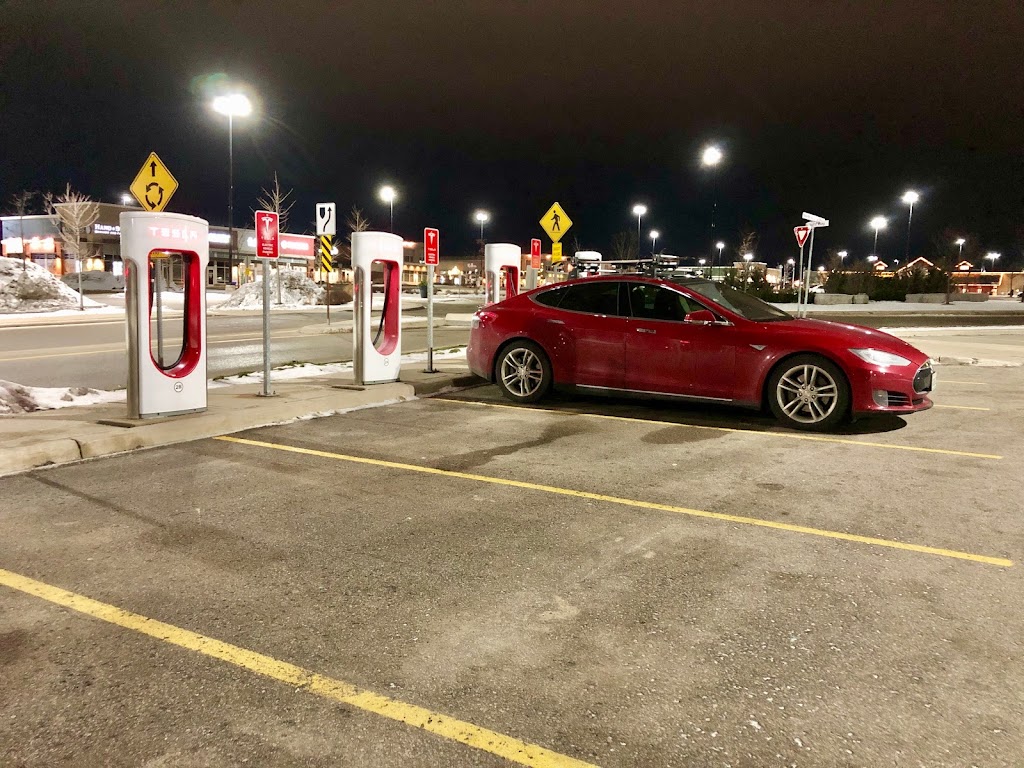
154	184
556	222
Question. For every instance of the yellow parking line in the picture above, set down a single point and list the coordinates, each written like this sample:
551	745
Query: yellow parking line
737	430
508	747
627	502
963	407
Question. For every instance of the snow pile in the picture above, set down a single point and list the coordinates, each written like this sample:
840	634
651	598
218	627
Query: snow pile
297	290
15	398
33	289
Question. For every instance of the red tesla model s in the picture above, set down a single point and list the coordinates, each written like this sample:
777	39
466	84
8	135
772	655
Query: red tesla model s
696	340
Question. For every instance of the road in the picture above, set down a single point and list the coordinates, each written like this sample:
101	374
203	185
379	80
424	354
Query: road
92	354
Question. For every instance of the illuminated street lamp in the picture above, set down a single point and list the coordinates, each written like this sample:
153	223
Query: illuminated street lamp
654	240
909	198
482	217
711	156
233	105
842	256
878	223
126	199
992	256
747	258
387	194
638	211
719	245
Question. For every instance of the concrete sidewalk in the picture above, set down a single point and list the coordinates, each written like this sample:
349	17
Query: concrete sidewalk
45	438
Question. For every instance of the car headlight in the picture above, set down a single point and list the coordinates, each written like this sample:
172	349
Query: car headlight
878	357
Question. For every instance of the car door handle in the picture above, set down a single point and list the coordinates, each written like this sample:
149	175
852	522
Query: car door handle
645	330
556	322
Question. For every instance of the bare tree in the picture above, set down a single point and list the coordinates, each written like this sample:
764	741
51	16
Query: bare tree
76	212
355	222
625	246
277	201
20	204
748	242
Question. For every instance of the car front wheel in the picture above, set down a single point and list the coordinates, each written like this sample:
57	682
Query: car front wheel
523	372
809	392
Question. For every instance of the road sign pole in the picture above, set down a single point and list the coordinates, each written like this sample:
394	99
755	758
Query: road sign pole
430	320
800	290
807	282
279	302
266	329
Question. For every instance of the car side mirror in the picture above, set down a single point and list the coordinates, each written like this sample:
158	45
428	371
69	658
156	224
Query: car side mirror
700	317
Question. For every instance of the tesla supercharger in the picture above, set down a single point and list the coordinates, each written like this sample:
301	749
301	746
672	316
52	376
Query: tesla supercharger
377	345
498	258
166	355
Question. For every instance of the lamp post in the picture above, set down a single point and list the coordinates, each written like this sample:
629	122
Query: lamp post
710	157
877	223
233	105
126	199
747	258
483	217
959	243
702	262
638	211
792	277
387	194
654	240
909	198
992	256
842	257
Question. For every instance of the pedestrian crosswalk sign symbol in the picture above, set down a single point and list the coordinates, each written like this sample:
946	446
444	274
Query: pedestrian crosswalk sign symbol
555	222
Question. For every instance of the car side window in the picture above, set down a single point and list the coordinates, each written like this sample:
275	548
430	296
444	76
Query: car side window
652	302
550	298
597	298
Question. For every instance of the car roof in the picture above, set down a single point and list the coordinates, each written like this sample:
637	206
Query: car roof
632	277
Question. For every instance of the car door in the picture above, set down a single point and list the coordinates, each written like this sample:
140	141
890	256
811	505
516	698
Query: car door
589	331
666	354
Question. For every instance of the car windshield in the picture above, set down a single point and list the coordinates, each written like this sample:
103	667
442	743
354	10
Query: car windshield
743	304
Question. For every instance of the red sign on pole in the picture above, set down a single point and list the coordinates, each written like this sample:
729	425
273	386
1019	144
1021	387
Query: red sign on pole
535	253
431	246
266	234
801	235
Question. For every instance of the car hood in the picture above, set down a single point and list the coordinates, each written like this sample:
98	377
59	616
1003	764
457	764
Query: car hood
853	336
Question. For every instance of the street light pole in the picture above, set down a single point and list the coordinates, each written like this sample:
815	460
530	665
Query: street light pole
909	197
639	211
877	223
387	194
654	243
720	246
232	105
949	273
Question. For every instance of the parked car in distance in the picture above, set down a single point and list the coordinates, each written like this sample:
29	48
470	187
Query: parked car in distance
95	281
696	340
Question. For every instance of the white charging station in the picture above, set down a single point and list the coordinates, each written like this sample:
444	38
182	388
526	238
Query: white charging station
166	356
377	345
499	258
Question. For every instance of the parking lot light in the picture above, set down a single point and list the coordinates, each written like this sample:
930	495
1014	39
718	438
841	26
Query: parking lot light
878	223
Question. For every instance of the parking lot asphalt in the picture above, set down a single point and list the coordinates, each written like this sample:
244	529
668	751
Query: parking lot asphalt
459	581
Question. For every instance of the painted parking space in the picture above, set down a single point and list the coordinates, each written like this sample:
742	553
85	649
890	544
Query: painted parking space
615	591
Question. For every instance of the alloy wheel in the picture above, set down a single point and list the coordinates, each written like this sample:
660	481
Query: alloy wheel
807	394
522	372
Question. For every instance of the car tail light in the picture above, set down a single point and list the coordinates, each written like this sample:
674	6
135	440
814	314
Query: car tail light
482	317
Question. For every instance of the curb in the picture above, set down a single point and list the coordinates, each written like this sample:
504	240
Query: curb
442	383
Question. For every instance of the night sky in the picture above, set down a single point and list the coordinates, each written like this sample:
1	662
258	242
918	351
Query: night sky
831	107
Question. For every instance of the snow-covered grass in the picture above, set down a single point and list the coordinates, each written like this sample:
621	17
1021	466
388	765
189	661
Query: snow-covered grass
30	288
15	398
297	290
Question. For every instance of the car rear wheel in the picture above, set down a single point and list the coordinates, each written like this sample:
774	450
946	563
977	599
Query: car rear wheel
523	372
809	392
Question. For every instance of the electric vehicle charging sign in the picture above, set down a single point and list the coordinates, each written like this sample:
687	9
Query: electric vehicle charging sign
266	234
154	185
535	253
431	246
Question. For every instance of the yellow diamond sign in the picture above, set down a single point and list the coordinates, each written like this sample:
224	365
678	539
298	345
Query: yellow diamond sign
154	184
555	222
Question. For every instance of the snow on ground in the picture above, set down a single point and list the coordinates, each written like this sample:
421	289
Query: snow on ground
898	307
15	398
30	288
297	290
309	370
